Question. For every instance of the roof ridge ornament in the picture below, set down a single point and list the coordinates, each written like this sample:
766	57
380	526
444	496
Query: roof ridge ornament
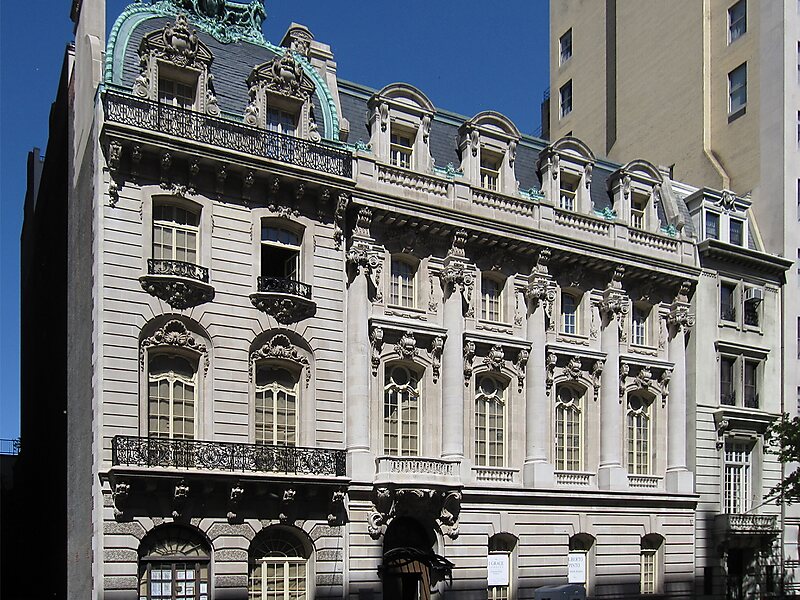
226	20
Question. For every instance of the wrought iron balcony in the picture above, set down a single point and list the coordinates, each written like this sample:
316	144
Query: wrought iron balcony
176	268
133	451
284	285
180	284
285	298
126	109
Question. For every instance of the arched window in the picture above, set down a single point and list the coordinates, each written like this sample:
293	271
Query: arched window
175	233
275	405
569	313
490	422
173	563
568	430
172	396
651	563
401	412
639	434
278	566
402	290
491	299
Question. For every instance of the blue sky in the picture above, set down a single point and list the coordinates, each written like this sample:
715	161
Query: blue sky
466	56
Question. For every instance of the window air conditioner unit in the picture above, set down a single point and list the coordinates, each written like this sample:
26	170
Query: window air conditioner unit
754	295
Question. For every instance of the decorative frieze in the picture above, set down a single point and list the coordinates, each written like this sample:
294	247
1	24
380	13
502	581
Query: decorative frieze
173	333
441	507
281	348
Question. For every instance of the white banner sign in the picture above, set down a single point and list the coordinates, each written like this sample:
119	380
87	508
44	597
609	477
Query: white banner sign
576	567
497	568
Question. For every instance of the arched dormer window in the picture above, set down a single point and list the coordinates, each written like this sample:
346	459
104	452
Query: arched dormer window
488	146
490	421
403	282
175	361
565	168
636	192
279	566
401	411
174	562
175	68
569	424
400	121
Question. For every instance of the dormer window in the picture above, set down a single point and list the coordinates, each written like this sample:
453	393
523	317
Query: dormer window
712	225
401	149
638	211
176	93
490	171
736	232
569	191
281	121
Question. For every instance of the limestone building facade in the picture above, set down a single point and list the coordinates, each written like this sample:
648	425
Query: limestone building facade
335	342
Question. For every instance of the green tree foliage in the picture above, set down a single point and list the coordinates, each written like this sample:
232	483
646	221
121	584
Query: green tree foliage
783	440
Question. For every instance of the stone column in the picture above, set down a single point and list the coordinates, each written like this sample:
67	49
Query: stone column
611	474
537	471
453	374
361	261
679	479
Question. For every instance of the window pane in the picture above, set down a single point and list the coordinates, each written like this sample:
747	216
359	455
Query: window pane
712	225
565	96
565	46
737	88
737	232
737	20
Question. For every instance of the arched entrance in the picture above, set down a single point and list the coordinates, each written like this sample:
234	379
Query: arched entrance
410	565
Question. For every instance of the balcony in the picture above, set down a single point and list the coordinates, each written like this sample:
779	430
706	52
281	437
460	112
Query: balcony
417	471
285	298
737	526
184	455
180	284
173	122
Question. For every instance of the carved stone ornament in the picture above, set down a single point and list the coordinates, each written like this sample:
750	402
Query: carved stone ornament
521	363
615	303
287	506
175	334
337	511
281	348
406	347
573	369
437	346
376	341
299	40
120	494
644	378
679	319
663	383
362	258
541	291
459	275
597	373
624	369
363	221
338	219
442	507
494	358
179	498
469	356
551	360
283	75
284	309
727	201
233	502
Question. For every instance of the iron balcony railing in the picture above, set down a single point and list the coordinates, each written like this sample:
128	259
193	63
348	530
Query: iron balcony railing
176	268
284	285
226	456
191	125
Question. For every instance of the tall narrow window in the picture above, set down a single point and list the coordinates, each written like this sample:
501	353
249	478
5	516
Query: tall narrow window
281	121
638	211
727	394
176	93
737	20
402	288
275	406
736	232
173	563
727	305
568	430
639	435
491	299
639	318
737	483
175	233
712	225
490	409
565	46
750	384
565	98
568	192
737	89
280	253
650	564
501	546
171	397
490	171
569	313
278	566
401	412
400	149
